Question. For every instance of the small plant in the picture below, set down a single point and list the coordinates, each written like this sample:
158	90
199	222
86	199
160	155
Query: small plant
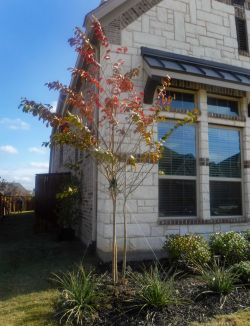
218	278
231	246
243	270
79	298
188	250
152	290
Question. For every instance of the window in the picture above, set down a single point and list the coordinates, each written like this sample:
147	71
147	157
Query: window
241	29
222	106
238	2
177	171
225	171
181	101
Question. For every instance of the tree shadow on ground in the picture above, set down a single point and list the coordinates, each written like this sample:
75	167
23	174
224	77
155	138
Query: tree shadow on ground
28	259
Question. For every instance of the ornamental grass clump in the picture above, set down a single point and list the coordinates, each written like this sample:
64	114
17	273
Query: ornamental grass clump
79	297
218	278
231	246
152	290
187	250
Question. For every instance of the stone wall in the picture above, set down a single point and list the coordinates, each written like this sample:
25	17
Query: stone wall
202	29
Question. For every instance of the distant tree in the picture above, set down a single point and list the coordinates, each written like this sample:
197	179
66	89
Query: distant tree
122	139
3	184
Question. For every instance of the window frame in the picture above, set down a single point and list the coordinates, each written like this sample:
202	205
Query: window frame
185	91
183	177
229	98
224	179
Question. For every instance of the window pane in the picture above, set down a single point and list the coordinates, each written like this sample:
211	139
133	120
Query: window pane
225	198
224	153
177	198
179	156
222	106
181	101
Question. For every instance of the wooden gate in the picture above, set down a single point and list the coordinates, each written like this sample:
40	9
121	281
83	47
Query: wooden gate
46	188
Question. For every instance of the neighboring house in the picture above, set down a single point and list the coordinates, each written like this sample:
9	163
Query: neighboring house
205	185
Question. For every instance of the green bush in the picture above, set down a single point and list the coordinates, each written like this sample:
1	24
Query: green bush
243	270
246	234
188	250
152	290
231	246
79	297
219	279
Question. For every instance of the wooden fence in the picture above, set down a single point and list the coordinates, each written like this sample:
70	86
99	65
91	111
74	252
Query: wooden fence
12	204
46	188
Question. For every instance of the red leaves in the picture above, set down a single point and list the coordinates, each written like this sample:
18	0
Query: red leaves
122	50
98	32
126	85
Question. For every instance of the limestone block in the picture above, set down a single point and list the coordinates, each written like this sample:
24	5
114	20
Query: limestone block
209	17
201	228
179	26
222	7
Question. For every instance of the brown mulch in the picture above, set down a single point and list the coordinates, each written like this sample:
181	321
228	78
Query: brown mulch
195	307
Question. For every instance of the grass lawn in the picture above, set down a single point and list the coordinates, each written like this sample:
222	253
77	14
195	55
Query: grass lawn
26	263
241	318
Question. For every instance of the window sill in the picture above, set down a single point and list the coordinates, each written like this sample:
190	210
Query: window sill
196	221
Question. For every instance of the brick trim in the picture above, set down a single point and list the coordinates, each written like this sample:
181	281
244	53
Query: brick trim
227	117
204	161
247	164
197	221
209	88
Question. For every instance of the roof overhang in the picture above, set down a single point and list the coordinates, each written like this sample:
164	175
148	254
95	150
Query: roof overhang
102	11
158	64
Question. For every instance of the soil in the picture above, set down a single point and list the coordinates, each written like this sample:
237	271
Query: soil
194	307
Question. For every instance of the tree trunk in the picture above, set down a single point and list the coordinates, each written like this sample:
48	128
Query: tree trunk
124	260
114	247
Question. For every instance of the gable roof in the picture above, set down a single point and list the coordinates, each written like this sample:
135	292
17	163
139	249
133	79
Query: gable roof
115	15
102	10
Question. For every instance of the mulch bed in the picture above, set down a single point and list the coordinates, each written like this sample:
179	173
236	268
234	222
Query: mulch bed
199	309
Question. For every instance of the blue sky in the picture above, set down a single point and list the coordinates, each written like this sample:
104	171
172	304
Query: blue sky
33	51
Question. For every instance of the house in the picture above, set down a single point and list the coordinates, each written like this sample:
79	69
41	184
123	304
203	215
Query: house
203	45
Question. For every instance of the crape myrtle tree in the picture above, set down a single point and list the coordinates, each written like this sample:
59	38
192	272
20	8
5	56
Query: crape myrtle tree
109	121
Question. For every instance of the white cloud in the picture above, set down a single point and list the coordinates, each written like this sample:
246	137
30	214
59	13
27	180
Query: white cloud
38	150
8	149
54	105
15	124
25	174
40	165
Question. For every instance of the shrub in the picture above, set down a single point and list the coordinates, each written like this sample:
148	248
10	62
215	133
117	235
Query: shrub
219	279
231	246
79	298
153	291
246	234
243	270
188	250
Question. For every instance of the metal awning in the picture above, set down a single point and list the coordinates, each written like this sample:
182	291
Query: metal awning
158	63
